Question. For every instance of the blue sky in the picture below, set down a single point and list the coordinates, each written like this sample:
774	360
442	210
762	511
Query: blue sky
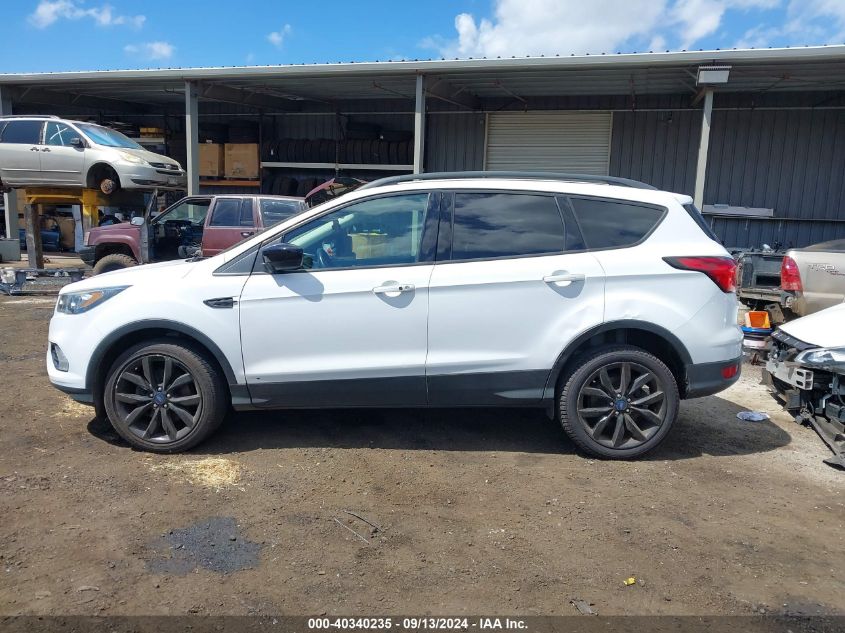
51	35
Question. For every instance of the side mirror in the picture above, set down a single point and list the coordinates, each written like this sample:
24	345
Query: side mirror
77	142
283	257
138	220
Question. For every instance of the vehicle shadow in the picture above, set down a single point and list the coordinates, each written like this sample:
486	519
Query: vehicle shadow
707	426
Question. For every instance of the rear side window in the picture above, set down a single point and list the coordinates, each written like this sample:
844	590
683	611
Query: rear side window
614	223
505	225
232	212
22	132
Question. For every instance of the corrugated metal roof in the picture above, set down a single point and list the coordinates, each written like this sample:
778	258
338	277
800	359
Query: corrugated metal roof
805	68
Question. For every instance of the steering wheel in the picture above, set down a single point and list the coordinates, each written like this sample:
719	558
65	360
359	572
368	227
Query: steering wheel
323	258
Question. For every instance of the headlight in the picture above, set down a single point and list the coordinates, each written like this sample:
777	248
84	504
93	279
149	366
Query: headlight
131	158
824	357
79	302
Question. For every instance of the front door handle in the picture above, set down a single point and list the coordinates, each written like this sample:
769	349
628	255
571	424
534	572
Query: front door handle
246	233
34	149
46	149
563	279
390	289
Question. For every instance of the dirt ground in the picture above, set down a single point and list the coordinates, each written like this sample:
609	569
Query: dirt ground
472	511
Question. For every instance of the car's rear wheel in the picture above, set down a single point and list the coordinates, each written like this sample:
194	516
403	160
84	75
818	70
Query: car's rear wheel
165	397
618	402
115	261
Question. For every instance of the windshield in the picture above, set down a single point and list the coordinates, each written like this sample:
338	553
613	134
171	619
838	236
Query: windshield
108	137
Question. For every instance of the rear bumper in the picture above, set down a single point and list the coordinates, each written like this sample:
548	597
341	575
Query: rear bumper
705	379
87	254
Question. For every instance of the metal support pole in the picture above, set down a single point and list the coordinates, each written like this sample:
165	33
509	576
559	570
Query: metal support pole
419	126
34	252
192	137
703	146
10	200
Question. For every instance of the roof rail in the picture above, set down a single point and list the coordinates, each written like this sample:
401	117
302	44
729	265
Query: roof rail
512	175
29	116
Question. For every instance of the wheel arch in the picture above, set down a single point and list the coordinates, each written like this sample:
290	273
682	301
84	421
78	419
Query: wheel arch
97	168
648	336
132	333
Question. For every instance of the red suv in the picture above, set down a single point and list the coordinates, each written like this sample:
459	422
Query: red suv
196	225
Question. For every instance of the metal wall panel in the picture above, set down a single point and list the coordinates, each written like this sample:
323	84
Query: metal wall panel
566	141
656	147
454	142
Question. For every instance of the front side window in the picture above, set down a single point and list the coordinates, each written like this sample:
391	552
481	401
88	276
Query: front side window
274	211
108	137
22	132
505	225
613	223
59	134
378	232
232	212
192	210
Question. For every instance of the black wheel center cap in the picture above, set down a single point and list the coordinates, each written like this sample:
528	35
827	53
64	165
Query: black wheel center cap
620	404
160	398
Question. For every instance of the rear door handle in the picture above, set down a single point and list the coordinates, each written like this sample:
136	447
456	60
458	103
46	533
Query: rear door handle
34	149
46	149
393	289
563	278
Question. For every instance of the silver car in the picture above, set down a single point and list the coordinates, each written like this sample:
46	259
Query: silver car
49	151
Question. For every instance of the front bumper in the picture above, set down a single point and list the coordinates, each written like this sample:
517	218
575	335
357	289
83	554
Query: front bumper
705	379
139	176
87	254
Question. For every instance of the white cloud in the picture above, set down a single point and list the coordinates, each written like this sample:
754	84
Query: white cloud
277	38
50	11
548	27
151	50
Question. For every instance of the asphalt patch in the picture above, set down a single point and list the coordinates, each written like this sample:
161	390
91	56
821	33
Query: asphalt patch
215	544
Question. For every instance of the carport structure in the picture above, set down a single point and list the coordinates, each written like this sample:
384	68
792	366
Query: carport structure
756	136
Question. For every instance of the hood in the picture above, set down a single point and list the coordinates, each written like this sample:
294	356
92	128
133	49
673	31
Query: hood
148	274
822	328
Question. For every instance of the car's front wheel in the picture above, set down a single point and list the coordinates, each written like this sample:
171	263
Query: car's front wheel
618	402
165	397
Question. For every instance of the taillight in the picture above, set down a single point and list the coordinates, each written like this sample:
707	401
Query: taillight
790	277
722	270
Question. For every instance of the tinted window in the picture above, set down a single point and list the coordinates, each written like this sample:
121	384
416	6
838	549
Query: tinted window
227	212
505	225
274	211
613	223
22	132
377	232
59	134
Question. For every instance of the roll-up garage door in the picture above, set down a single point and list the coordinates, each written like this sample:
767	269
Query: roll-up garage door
576	142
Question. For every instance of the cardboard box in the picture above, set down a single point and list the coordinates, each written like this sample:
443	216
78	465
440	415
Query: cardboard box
211	160
241	160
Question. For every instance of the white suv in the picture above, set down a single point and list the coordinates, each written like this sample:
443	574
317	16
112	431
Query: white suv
48	151
601	300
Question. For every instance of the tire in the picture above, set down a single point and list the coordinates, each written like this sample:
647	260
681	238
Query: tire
115	261
177	417
603	424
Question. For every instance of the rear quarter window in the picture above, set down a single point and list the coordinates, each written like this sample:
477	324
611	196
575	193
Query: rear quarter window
608	223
